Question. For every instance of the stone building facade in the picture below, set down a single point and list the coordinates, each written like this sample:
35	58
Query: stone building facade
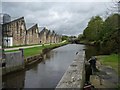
53	37
48	36
32	35
43	35
14	32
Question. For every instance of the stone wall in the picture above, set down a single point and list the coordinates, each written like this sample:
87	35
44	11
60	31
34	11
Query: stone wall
52	38
32	59
75	74
17	30
43	36
32	36
13	61
48	37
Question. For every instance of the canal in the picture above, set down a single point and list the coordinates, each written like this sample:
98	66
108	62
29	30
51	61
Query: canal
47	73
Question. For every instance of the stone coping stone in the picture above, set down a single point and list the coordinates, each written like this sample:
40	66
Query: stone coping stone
74	76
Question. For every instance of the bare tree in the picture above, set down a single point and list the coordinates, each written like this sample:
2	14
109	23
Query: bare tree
112	7
116	6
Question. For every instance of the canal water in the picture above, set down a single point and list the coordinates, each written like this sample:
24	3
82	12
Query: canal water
47	73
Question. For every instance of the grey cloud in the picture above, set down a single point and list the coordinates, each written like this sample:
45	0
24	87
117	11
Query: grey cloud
68	18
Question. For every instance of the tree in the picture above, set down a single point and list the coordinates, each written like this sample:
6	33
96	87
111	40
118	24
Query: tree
64	37
111	39
104	33
80	37
93	30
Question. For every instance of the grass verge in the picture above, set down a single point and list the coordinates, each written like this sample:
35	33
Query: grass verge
37	50
110	60
113	61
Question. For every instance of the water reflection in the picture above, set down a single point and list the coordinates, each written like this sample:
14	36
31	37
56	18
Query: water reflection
50	70
14	80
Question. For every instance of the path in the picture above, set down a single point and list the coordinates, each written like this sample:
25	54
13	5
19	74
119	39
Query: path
106	78
16	48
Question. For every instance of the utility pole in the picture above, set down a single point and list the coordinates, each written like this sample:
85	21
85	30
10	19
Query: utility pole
1	41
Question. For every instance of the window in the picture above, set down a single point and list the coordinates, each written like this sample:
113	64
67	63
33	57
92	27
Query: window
32	31
20	32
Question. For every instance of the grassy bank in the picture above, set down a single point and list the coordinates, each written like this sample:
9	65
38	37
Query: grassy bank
38	50
19	46
110	60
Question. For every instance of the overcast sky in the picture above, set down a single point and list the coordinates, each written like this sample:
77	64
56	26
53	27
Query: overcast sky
69	18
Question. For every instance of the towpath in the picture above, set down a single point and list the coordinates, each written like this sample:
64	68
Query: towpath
105	78
16	48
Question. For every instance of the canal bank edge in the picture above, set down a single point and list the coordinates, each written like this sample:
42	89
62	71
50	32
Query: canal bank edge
31	60
74	77
39	57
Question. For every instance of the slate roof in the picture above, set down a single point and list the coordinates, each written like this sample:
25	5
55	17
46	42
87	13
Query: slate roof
49	32
43	30
32	28
14	20
29	25
53	32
